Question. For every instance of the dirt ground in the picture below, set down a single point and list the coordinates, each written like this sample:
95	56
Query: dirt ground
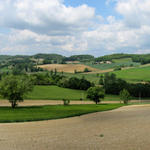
126	128
48	102
59	102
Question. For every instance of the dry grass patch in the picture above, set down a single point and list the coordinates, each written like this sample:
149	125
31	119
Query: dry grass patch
69	68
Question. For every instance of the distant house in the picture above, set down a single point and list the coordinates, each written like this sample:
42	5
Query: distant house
108	62
103	62
72	62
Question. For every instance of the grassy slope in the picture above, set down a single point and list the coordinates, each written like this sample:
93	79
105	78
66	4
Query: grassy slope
5	69
122	60
117	62
91	77
112	98
135	74
37	113
55	93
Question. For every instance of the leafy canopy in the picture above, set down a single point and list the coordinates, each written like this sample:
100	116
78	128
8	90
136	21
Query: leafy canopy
14	88
95	94
125	96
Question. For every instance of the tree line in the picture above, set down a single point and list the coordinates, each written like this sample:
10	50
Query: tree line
15	87
114	85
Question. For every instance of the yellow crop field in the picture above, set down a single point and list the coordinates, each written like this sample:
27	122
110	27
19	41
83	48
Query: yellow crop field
69	68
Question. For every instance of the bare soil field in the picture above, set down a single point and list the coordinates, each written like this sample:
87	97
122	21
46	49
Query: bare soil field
126	128
69	68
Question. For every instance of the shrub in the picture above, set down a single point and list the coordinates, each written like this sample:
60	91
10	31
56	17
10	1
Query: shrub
117	68
66	102
125	96
86	70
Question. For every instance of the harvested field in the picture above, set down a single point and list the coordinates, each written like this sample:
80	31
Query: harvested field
72	62
126	128
69	68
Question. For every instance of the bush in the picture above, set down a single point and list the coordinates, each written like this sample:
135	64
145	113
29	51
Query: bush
117	68
125	96
86	70
66	102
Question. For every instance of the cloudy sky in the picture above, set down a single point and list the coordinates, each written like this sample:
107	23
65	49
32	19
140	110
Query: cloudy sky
68	27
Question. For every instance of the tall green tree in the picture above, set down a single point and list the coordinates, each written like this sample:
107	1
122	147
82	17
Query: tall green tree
14	88
125	96
101	80
95	94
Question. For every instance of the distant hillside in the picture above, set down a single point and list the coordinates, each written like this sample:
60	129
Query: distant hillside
140	58
113	56
56	58
79	58
4	57
48	56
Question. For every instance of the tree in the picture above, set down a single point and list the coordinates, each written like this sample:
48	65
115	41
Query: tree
86	70
14	88
101	80
75	83
55	71
113	85
125	96
75	71
95	94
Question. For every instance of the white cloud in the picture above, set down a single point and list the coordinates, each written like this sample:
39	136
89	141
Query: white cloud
45	16
50	26
135	12
141	51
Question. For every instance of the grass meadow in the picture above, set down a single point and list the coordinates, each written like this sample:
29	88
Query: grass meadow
93	77
37	113
117	63
137	74
55	93
58	93
122	60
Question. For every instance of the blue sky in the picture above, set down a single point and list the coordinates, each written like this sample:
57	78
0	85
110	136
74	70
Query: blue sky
101	6
68	27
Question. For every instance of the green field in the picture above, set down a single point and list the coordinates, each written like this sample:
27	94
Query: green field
135	74
93	77
122	60
55	93
117	63
5	69
36	113
58	93
112	98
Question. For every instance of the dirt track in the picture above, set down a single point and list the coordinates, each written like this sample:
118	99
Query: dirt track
126	128
48	102
58	102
